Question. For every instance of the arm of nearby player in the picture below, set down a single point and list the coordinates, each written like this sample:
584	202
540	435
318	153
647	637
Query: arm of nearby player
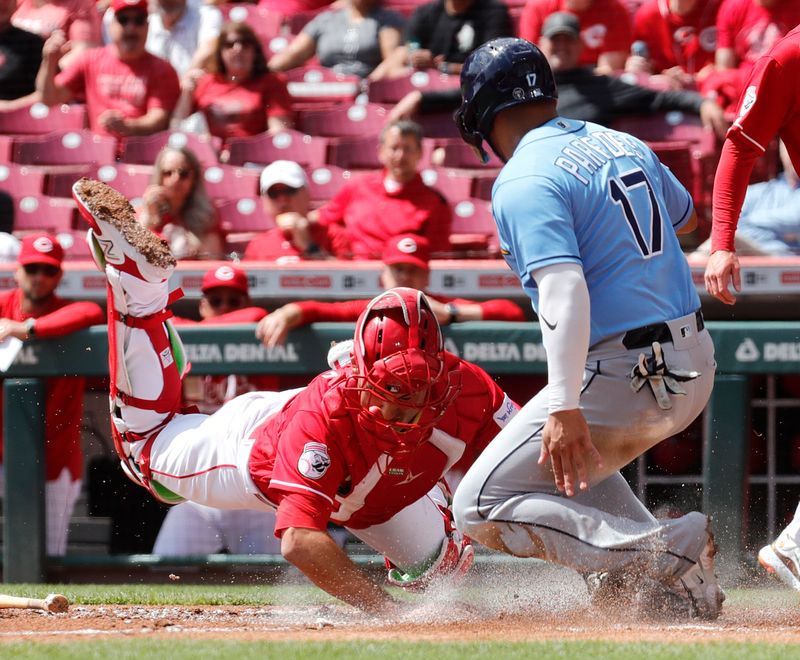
323	562
69	318
564	307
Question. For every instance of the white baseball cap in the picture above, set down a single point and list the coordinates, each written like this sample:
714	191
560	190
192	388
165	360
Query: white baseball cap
286	172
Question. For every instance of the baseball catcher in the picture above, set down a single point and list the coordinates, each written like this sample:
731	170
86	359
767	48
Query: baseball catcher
364	445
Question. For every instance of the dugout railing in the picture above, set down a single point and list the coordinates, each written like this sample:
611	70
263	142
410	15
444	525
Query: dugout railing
743	349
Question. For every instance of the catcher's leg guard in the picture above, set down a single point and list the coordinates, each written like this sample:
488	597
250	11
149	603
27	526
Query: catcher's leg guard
146	358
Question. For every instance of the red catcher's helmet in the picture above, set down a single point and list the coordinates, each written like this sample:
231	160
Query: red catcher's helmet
398	358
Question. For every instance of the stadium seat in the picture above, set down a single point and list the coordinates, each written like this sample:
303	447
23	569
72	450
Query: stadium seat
286	145
454	152
391	90
43	214
75	246
265	22
39	119
439	125
6	141
64	148
143	150
473	229
316	84
343	121
361	153
243	215
482	188
225	182
670	127
324	182
21	180
455	185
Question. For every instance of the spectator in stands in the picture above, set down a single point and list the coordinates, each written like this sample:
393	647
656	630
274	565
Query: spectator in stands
33	310
237	95
284	191
606	32
679	36
405	263
770	220
128	91
77	20
177	206
746	30
183	33
370	207
441	33
20	57
191	528
354	39
582	93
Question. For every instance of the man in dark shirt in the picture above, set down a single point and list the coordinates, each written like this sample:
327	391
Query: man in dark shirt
440	34
20	56
581	93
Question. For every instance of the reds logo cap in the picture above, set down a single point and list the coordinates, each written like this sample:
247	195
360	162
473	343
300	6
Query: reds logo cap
228	276
40	249
122	5
407	249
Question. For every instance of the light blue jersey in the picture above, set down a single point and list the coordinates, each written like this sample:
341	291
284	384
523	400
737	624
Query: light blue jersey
582	193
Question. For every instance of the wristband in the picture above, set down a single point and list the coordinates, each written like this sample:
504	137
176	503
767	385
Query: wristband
30	327
452	311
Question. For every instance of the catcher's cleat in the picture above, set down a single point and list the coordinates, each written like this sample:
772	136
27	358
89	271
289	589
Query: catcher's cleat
116	238
782	559
699	585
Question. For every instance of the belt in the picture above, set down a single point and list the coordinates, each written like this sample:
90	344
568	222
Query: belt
660	332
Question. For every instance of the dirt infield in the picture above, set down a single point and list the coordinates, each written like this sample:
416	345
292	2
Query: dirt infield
738	623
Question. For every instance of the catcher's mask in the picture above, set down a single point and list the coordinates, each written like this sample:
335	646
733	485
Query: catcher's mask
400	385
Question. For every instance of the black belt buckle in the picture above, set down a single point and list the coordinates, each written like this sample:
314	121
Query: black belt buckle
647	334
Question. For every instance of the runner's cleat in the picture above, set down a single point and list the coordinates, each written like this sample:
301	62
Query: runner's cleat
117	239
782	559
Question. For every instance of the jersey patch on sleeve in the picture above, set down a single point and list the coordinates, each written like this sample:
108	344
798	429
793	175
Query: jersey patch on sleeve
505	412
748	100
314	461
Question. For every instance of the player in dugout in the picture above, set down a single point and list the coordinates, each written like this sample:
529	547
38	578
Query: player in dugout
33	310
406	260
364	445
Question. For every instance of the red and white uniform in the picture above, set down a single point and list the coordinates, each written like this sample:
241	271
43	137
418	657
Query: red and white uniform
605	26
78	19
769	107
316	463
303	454
108	83
208	393
63	409
314	311
234	109
364	213
687	41
190	528
751	29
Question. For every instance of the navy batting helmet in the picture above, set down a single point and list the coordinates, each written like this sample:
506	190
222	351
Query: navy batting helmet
500	74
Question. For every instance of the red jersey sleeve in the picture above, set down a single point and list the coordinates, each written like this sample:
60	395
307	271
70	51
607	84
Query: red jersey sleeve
308	471
533	15
69	318
164	88
245	315
85	25
618	22
74	76
276	97
333	212
336	312
501	310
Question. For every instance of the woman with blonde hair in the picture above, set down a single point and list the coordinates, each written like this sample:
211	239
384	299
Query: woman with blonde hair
237	94
177	206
